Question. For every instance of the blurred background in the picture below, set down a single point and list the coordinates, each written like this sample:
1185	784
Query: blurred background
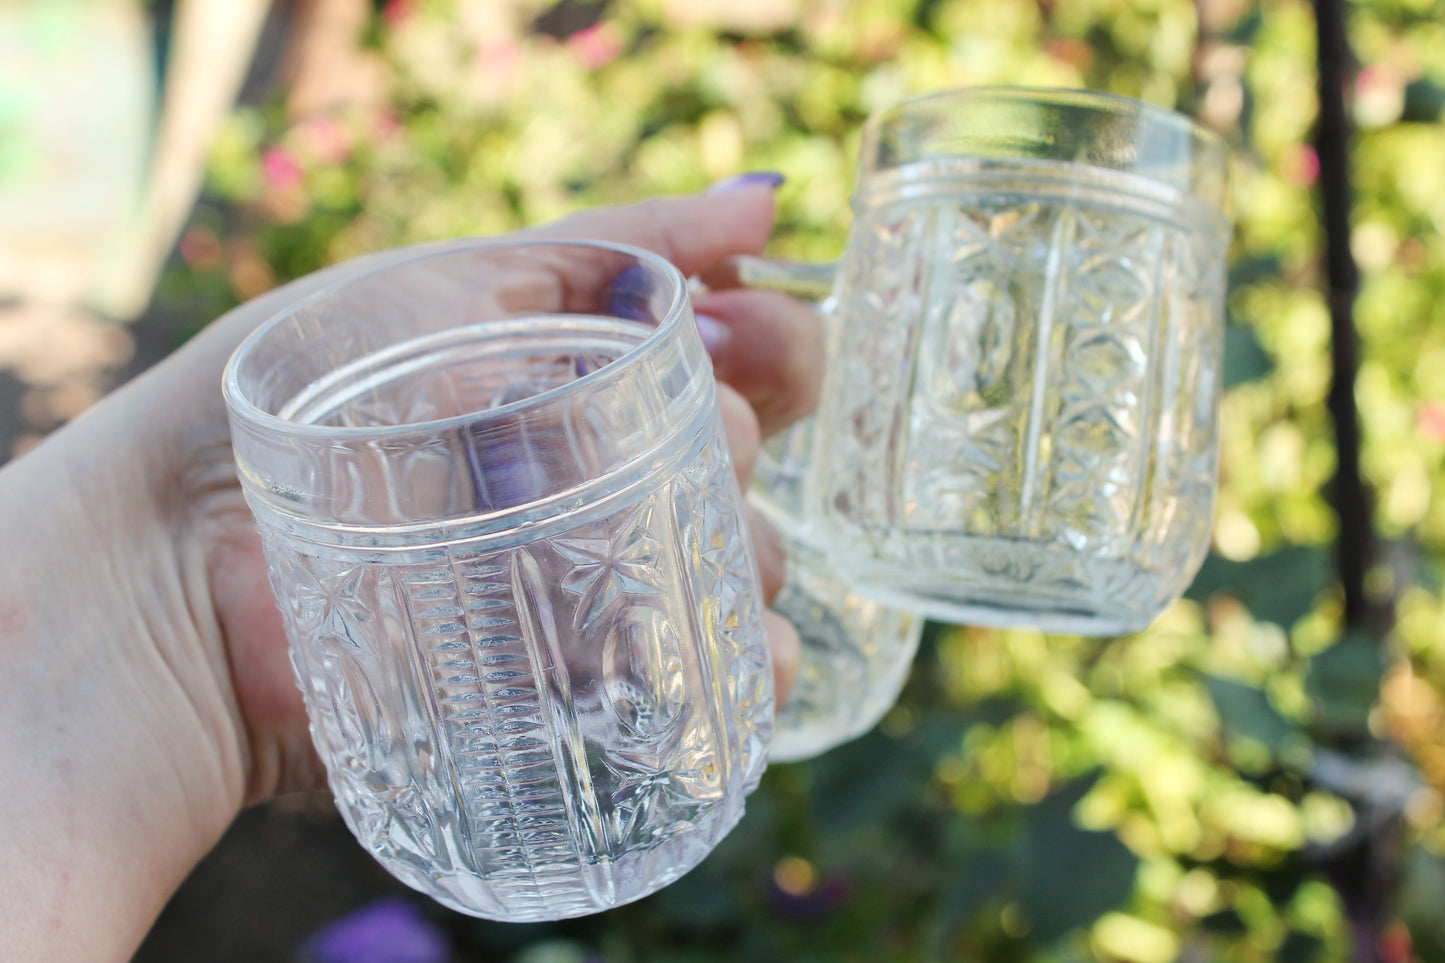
1257	777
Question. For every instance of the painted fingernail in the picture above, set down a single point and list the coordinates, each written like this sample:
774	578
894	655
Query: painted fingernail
714	333
630	293
771	179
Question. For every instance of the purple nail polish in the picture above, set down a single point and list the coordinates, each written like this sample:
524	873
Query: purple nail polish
714	333
770	179
507	471
630	294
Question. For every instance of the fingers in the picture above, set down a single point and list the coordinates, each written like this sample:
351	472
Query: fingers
769	347
740	422
772	555
694	232
787	650
782	636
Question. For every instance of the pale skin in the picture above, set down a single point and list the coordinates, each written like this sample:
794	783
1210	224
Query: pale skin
145	693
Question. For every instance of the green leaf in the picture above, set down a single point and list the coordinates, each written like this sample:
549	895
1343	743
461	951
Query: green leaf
1344	683
1299	948
1070	876
1279	587
553	951
1251	270
1282	882
1424	101
1225	922
701	900
1245	359
877	779
980	877
1246	711
1422	894
869	783
513	937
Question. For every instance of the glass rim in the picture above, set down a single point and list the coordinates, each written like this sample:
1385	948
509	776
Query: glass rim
1057	96
243	408
1207	149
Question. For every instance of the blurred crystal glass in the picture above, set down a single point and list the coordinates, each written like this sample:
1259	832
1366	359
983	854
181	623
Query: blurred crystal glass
855	651
1020	417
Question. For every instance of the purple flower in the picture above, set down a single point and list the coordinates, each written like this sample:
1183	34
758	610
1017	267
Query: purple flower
390	930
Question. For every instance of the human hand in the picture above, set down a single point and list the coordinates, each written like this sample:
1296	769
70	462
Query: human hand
152	696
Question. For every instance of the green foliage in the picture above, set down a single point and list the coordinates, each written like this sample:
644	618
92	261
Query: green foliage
1141	799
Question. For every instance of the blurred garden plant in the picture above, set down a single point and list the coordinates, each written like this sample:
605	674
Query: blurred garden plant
1198	791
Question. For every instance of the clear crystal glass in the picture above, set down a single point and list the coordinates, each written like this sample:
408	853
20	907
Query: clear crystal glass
505	534
856	652
1020	414
855	658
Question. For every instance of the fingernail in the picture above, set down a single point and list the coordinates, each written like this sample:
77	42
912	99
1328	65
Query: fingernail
714	333
771	179
630	293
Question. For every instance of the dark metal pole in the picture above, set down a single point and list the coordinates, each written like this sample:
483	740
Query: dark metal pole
1356	544
1365	874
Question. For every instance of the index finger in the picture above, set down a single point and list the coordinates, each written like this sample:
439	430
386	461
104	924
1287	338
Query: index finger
694	232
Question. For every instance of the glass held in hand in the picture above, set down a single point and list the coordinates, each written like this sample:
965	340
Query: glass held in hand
504	531
1020	415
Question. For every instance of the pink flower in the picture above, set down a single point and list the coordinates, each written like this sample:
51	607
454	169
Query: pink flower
324	139
1379	95
499	60
598	45
1430	420
1376	78
282	171
200	248
1300	165
398	11
386	124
